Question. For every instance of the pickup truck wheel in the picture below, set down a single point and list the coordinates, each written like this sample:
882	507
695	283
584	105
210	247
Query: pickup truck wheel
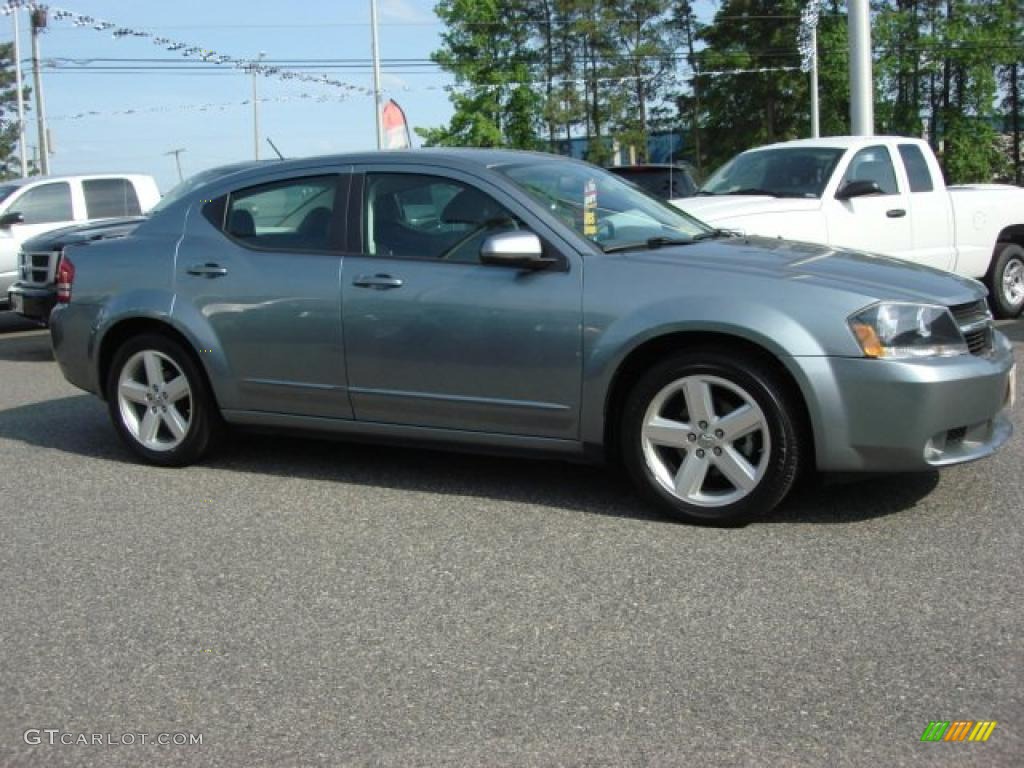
159	401
711	437
1006	280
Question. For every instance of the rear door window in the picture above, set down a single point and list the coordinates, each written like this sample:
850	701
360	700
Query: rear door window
109	198
295	214
45	204
917	168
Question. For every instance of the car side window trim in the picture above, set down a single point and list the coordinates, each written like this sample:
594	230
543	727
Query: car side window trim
358	203
338	237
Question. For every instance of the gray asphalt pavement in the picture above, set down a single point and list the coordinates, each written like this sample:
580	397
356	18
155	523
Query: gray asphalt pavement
305	603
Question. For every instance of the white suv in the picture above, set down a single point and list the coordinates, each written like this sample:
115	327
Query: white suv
30	207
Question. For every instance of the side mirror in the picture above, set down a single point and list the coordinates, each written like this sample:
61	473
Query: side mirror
10	219
522	250
858	189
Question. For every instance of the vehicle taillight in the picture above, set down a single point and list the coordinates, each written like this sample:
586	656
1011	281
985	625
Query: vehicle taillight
65	278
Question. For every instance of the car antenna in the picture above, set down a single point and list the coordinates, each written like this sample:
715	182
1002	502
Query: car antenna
274	147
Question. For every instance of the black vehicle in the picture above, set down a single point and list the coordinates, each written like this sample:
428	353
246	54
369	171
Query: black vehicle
35	292
668	182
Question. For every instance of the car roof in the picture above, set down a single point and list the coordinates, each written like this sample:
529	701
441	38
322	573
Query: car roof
836	142
454	156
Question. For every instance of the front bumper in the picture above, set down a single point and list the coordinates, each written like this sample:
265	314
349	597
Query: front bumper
890	415
33	303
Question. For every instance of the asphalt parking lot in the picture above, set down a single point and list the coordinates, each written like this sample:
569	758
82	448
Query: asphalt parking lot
299	603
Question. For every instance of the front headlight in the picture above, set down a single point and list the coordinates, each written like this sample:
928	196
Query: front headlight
900	331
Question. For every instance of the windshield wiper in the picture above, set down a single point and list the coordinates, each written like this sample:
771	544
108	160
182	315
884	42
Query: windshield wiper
650	243
714	234
753	191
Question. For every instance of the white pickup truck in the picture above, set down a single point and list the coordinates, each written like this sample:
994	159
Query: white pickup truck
882	194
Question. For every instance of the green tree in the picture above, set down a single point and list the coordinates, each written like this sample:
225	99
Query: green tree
486	46
10	164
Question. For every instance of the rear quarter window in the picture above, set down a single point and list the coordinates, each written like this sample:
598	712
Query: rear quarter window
917	168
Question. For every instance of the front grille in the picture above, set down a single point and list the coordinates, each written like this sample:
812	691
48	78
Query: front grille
38	268
975	322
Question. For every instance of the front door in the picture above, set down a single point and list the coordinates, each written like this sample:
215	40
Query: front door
875	223
262	269
435	338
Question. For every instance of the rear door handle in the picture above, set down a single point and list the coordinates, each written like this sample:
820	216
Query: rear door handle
207	270
896	213
380	282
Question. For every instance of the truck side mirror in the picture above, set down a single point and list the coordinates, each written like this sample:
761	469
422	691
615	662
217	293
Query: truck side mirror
858	189
10	219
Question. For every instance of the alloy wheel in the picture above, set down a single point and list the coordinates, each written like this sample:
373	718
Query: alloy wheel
155	400
706	440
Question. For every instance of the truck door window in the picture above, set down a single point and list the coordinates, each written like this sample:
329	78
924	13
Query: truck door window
108	198
917	168
45	203
873	164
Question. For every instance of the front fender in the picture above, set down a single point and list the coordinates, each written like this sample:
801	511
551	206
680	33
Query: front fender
607	348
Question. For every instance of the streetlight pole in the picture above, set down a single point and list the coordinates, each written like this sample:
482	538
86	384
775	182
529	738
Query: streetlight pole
256	109
815	118
862	117
374	45
21	95
38	18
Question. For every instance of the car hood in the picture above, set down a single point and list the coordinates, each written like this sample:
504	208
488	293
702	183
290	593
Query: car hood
715	208
83	233
869	276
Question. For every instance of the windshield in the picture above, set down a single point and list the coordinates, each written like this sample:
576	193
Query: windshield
602	207
784	172
6	190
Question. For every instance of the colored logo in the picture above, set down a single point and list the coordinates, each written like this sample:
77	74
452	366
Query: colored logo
958	730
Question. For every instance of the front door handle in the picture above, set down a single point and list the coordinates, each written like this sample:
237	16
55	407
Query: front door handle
896	213
380	282
207	270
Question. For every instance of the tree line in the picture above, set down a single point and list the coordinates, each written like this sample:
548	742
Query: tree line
532	73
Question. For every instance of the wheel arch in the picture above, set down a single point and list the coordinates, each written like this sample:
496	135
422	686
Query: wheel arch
648	353
1012	234
126	328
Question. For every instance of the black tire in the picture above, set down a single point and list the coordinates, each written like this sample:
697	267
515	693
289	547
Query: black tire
1007	263
780	455
204	424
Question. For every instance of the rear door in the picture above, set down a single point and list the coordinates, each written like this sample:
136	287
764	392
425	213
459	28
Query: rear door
931	214
874	223
261	267
433	337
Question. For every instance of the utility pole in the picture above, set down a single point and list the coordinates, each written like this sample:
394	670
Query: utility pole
375	53
38	18
256	108
21	96
862	117
177	159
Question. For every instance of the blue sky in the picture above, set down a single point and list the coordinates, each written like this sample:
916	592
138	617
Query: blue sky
311	29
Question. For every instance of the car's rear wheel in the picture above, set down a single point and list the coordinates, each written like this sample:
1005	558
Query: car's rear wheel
160	403
712	438
1006	280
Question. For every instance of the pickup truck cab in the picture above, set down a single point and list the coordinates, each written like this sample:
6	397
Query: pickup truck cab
881	194
32	206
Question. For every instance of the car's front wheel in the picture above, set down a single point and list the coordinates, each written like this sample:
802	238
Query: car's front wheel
713	438
1006	280
160	403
